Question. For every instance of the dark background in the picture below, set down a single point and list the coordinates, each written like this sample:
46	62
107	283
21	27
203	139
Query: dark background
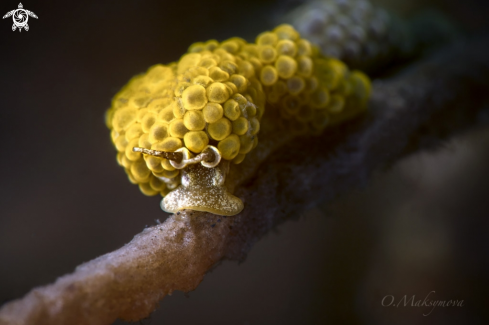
419	227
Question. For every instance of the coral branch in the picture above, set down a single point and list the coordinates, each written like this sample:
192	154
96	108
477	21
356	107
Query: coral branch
431	100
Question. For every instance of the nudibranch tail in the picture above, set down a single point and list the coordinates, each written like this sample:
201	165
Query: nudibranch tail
356	31
177	127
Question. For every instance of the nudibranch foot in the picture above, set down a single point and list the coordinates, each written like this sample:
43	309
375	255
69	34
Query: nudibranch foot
203	189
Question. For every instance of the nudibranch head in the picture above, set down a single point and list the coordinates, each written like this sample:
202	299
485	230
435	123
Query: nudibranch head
203	189
177	127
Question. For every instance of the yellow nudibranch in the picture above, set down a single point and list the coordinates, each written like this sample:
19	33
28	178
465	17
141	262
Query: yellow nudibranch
178	126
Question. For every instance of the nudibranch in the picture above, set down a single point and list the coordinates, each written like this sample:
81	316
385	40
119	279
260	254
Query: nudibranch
178	127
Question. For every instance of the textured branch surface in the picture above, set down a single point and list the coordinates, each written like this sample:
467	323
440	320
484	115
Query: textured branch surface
430	101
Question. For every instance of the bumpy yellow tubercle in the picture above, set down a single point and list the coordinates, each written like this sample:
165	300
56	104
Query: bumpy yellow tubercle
214	97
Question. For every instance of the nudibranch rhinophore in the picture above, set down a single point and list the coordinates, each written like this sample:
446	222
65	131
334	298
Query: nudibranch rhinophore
178	127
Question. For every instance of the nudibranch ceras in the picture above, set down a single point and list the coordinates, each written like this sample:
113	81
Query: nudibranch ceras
177	127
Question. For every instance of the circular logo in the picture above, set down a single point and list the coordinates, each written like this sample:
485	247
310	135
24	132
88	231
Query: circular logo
20	18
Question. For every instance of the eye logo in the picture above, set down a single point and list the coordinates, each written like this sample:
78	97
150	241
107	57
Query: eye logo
20	17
